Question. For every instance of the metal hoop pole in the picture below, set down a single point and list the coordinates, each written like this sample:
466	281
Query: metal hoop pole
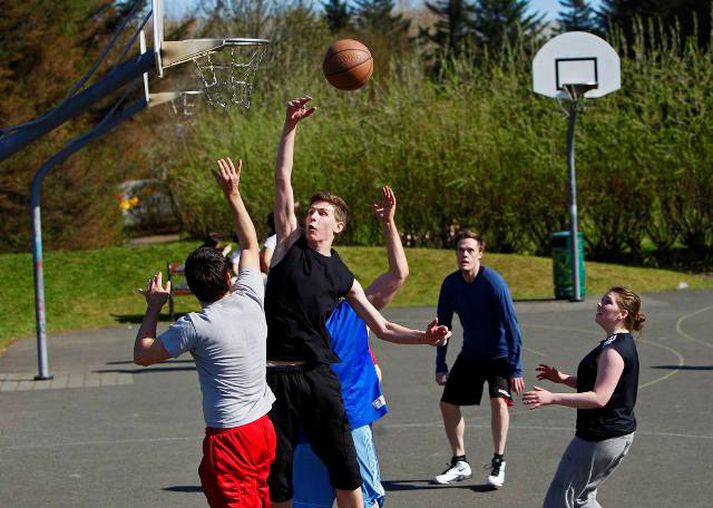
572	184
35	211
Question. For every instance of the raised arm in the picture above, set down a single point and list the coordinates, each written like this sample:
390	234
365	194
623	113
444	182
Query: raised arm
147	348
385	286
228	177
392	332
284	208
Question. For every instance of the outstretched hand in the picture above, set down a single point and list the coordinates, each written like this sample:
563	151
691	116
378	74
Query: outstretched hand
385	210
537	397
549	373
228	176
437	335
155	294
297	110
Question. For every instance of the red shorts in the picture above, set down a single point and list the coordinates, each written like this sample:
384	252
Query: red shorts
236	464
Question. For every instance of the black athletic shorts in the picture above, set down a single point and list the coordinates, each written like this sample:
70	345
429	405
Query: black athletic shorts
465	381
310	399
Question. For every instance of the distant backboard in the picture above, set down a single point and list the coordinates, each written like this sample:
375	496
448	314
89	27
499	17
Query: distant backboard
158	35
576	58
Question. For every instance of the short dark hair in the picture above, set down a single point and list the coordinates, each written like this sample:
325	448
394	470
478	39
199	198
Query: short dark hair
341	210
470	233
206	272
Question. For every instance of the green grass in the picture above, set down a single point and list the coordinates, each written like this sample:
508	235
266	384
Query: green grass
90	289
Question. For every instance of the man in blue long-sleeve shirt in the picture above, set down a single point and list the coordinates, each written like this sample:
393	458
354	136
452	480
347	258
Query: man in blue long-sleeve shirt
491	351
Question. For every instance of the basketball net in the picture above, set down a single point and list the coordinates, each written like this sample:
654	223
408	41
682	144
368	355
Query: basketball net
228	75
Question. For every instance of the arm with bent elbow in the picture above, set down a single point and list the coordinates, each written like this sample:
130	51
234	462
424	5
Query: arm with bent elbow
147	348
393	332
609	369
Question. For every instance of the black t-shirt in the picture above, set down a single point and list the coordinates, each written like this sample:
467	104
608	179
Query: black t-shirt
617	417
302	290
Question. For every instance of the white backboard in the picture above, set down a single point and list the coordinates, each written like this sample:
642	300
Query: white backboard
576	58
158	36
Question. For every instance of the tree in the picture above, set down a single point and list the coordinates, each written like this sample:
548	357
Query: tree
689	18
454	26
576	15
378	16
338	15
498	22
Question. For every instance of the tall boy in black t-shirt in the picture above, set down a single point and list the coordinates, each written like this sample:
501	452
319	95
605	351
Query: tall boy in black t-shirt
306	279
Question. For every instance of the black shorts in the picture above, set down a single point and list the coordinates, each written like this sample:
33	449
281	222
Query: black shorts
465	381
310	399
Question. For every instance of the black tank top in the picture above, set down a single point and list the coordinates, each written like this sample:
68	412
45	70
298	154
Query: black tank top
617	417
302	290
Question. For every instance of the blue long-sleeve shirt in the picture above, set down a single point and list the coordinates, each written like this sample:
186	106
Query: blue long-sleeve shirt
487	315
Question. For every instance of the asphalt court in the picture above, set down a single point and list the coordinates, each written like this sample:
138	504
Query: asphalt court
114	434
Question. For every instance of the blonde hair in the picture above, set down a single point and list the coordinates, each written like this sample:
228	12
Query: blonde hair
629	301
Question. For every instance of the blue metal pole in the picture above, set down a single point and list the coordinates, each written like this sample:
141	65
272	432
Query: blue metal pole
35	210
572	183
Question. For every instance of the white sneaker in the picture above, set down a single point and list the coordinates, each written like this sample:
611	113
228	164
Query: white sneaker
454	473
496	478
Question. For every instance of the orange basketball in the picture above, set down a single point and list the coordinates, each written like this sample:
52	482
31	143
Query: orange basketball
348	64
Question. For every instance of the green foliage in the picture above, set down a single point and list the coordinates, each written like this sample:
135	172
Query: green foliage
337	14
501	22
479	149
474	147
687	18
576	15
453	30
379	16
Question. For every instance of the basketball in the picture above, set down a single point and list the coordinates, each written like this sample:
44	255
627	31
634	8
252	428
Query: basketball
348	64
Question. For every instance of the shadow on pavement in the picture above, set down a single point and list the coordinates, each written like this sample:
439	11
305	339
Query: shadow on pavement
683	367
146	370
405	485
139	318
184	488
129	362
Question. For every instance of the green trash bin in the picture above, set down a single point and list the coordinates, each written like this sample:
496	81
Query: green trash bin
562	265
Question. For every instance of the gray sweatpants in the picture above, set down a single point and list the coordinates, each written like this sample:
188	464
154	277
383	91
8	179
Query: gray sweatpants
584	466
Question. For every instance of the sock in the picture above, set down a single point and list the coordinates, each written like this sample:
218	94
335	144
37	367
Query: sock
457	458
497	457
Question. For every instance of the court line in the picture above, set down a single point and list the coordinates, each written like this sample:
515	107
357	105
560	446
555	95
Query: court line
681	363
683	334
439	424
677	354
534	352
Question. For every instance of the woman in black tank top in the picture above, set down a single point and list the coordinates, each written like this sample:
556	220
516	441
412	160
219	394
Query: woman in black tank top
606	383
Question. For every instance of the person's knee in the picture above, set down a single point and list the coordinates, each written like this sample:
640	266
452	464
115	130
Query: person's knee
499	404
449	409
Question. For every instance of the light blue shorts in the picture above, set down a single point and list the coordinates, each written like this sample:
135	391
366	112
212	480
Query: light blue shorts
310	478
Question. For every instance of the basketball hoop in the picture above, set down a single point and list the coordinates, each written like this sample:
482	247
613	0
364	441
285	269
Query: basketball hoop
228	73
575	94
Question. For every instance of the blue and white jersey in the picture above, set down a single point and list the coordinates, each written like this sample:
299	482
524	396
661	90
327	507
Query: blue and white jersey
363	399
